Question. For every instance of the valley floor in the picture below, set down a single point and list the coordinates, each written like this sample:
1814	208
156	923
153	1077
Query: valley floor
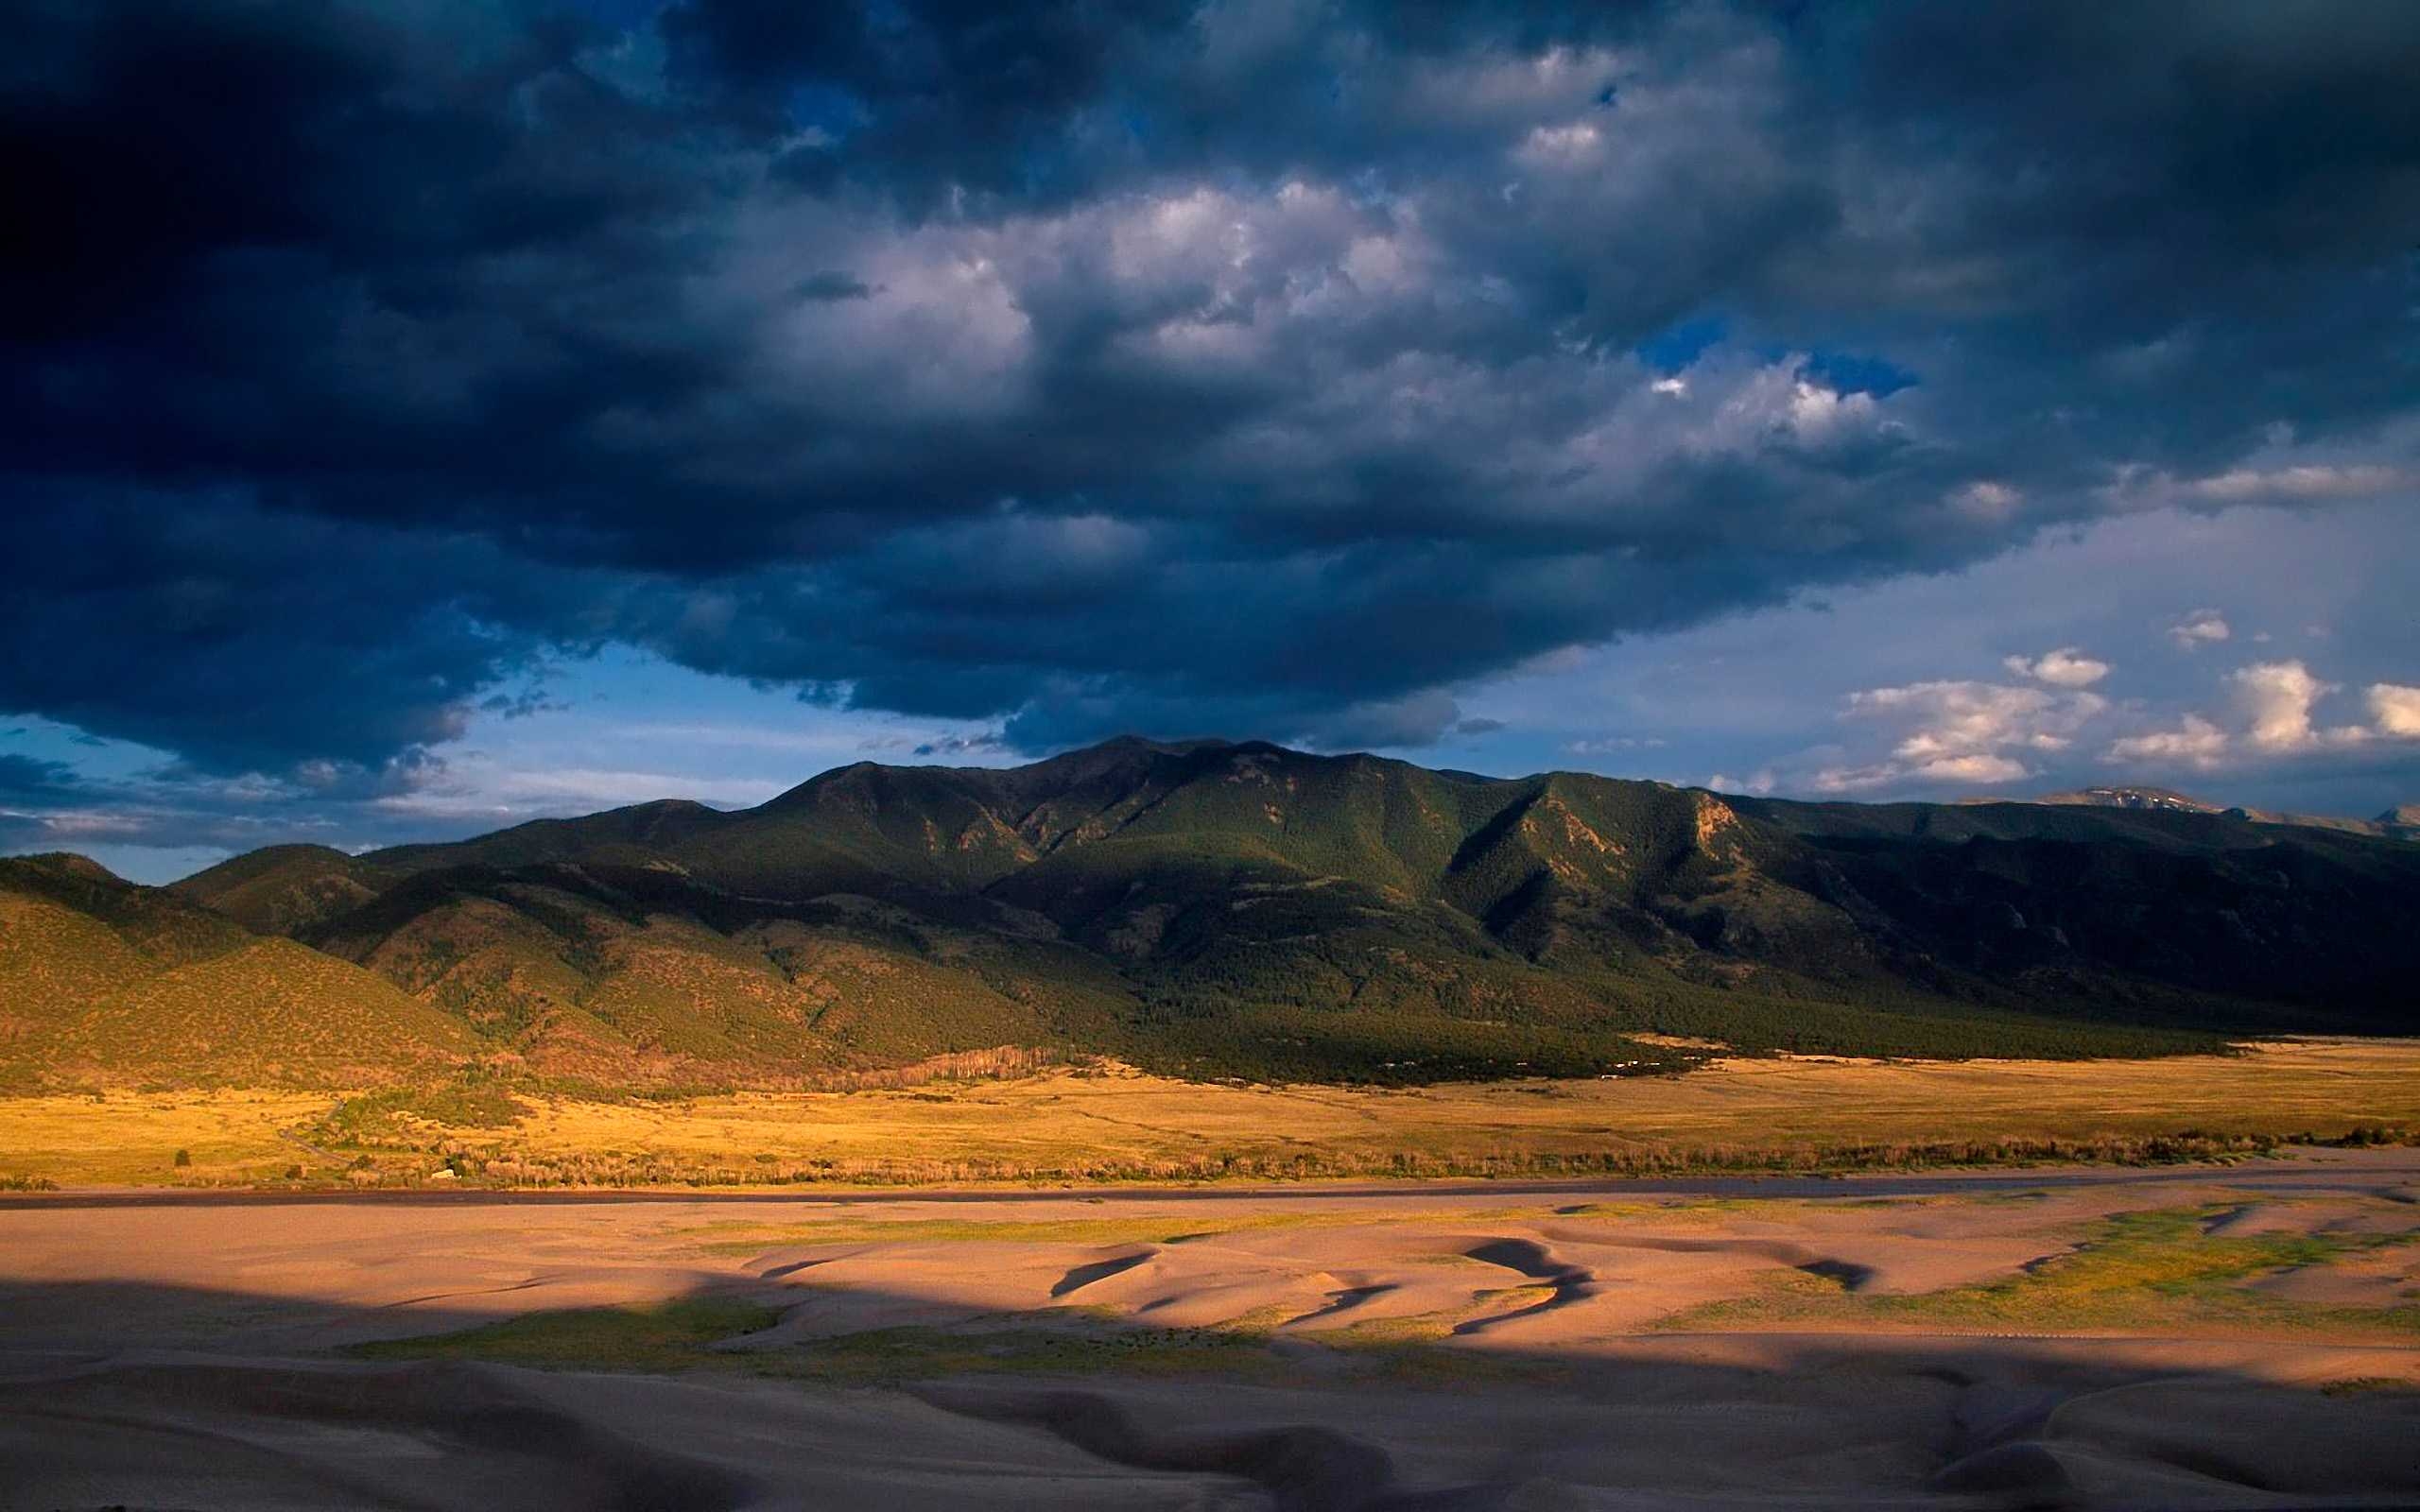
2204	1337
1084	1126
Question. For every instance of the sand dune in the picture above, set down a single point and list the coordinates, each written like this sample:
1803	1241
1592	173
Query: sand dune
187	1431
183	1431
2086	1340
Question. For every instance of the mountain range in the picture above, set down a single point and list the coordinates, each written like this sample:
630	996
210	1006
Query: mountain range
2402	822
1208	908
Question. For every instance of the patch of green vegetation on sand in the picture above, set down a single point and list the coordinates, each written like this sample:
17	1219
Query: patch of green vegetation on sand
668	1336
2151	1271
1241	1349
680	1336
884	1356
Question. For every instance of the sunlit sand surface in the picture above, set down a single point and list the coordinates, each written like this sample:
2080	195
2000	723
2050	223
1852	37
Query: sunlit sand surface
2237	1337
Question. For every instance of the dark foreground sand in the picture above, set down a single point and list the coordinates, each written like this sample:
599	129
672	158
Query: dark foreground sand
1743	1347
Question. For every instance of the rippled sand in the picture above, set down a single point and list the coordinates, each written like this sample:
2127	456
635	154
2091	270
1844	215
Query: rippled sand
2209	1337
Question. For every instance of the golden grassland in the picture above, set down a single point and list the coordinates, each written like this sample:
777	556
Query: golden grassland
1108	1124
131	1139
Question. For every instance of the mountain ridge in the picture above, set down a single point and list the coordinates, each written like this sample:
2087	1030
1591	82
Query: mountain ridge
1239	908
2401	822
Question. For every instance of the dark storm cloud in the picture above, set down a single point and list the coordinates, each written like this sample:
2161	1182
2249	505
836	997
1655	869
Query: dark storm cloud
833	284
1235	367
32	780
241	638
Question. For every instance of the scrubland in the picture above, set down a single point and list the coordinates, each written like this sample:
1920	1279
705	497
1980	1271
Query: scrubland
1108	1123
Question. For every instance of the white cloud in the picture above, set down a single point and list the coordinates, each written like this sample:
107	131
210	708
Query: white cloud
2251	485
1986	500
478	789
2396	709
1954	719
1973	732
1819	413
2278	697
1973	768
2307	482
1852	779
2202	626
2279	702
1756	784
1963	731
2066	668
1567	146
2196	743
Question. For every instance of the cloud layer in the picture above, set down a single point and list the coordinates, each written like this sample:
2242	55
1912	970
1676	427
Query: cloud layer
1958	733
1228	366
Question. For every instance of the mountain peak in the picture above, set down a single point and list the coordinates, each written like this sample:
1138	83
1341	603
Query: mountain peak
2160	799
68	863
1168	747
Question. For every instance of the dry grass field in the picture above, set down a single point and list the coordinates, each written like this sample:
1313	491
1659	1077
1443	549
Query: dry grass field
131	1139
1115	1124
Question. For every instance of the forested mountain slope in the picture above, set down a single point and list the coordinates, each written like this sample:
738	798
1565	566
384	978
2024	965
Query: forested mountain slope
1245	909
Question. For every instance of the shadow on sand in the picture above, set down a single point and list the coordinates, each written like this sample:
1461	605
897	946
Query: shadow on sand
248	1408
